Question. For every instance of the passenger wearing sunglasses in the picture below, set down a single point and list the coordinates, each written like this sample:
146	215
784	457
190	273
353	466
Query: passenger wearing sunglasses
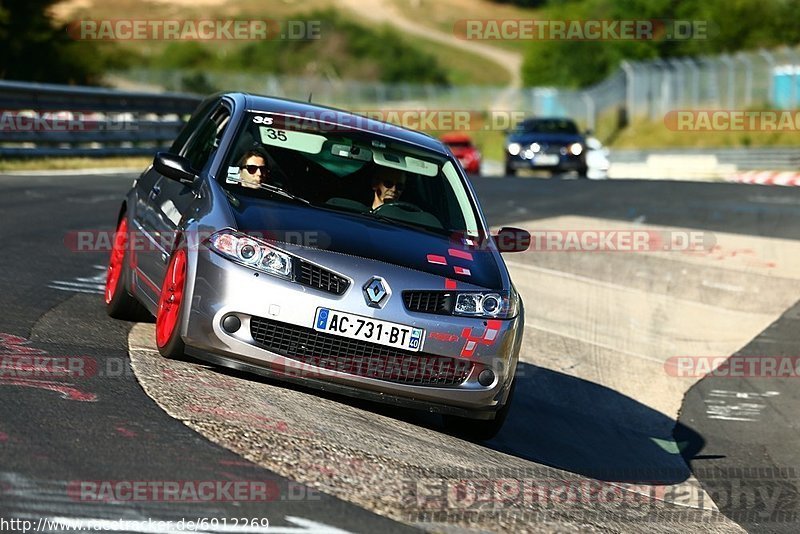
253	169
388	185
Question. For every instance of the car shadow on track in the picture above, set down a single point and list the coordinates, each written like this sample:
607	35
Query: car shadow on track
583	427
568	423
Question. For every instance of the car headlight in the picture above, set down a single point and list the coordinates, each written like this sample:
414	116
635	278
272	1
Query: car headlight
491	305
576	149
252	253
514	148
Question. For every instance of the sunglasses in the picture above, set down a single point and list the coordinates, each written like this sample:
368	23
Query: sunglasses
253	168
388	184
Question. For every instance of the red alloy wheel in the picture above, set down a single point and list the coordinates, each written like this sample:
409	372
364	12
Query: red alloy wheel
115	263
169	305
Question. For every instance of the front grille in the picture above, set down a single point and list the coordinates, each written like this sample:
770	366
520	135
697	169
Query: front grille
356	357
439	302
317	277
552	149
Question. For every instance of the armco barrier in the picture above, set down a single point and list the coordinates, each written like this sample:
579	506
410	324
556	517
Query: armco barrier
744	159
42	120
701	164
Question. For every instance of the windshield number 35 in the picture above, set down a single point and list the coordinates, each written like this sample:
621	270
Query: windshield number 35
272	133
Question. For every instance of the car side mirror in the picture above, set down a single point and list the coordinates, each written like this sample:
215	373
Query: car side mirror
510	239
174	167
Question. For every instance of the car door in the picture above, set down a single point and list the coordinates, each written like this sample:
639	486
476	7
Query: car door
170	201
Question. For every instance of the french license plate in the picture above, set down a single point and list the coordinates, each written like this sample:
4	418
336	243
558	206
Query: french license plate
367	329
546	159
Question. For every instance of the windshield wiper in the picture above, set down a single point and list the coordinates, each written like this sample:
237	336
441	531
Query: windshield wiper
406	224
283	192
272	189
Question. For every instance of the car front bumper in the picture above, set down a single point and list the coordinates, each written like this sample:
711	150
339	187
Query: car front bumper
546	162
221	288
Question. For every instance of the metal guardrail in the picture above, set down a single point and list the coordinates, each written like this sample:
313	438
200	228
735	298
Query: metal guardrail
744	159
768	79
43	120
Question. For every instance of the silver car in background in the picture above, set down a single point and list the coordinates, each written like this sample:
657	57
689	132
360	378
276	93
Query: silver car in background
257	244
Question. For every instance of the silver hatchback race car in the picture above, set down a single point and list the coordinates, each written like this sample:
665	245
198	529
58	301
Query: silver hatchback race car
318	246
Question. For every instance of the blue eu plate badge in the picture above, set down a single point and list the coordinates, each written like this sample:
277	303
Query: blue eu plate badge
322	319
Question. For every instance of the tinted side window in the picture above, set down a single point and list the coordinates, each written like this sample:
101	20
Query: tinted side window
206	138
188	129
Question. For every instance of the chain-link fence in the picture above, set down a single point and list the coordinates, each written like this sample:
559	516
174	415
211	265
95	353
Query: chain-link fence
646	89
754	80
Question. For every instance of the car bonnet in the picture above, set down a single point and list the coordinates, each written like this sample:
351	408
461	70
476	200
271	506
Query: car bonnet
360	236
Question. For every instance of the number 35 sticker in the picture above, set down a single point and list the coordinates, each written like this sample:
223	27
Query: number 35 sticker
262	119
274	134
300	141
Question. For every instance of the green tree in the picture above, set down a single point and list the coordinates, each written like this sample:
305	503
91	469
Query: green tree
726	25
34	49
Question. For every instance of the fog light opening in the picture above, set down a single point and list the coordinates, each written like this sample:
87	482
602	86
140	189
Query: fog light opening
486	378
231	324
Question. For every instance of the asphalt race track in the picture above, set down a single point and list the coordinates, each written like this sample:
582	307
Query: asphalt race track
602	425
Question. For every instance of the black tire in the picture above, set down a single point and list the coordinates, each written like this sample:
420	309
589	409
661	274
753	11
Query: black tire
510	171
122	304
175	349
479	429
582	172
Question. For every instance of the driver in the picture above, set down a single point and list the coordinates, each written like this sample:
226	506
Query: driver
387	185
253	168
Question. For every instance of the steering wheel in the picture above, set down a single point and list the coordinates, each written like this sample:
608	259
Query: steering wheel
407	206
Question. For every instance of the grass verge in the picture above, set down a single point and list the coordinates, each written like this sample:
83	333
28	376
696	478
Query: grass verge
644	134
61	164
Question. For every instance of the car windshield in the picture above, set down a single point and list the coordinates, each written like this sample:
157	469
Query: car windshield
558	126
301	160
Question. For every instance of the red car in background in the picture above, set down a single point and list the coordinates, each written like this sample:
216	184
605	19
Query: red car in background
462	148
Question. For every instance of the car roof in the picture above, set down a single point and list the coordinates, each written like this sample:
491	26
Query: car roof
253	102
547	119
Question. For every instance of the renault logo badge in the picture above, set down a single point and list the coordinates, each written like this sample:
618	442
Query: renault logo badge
376	292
